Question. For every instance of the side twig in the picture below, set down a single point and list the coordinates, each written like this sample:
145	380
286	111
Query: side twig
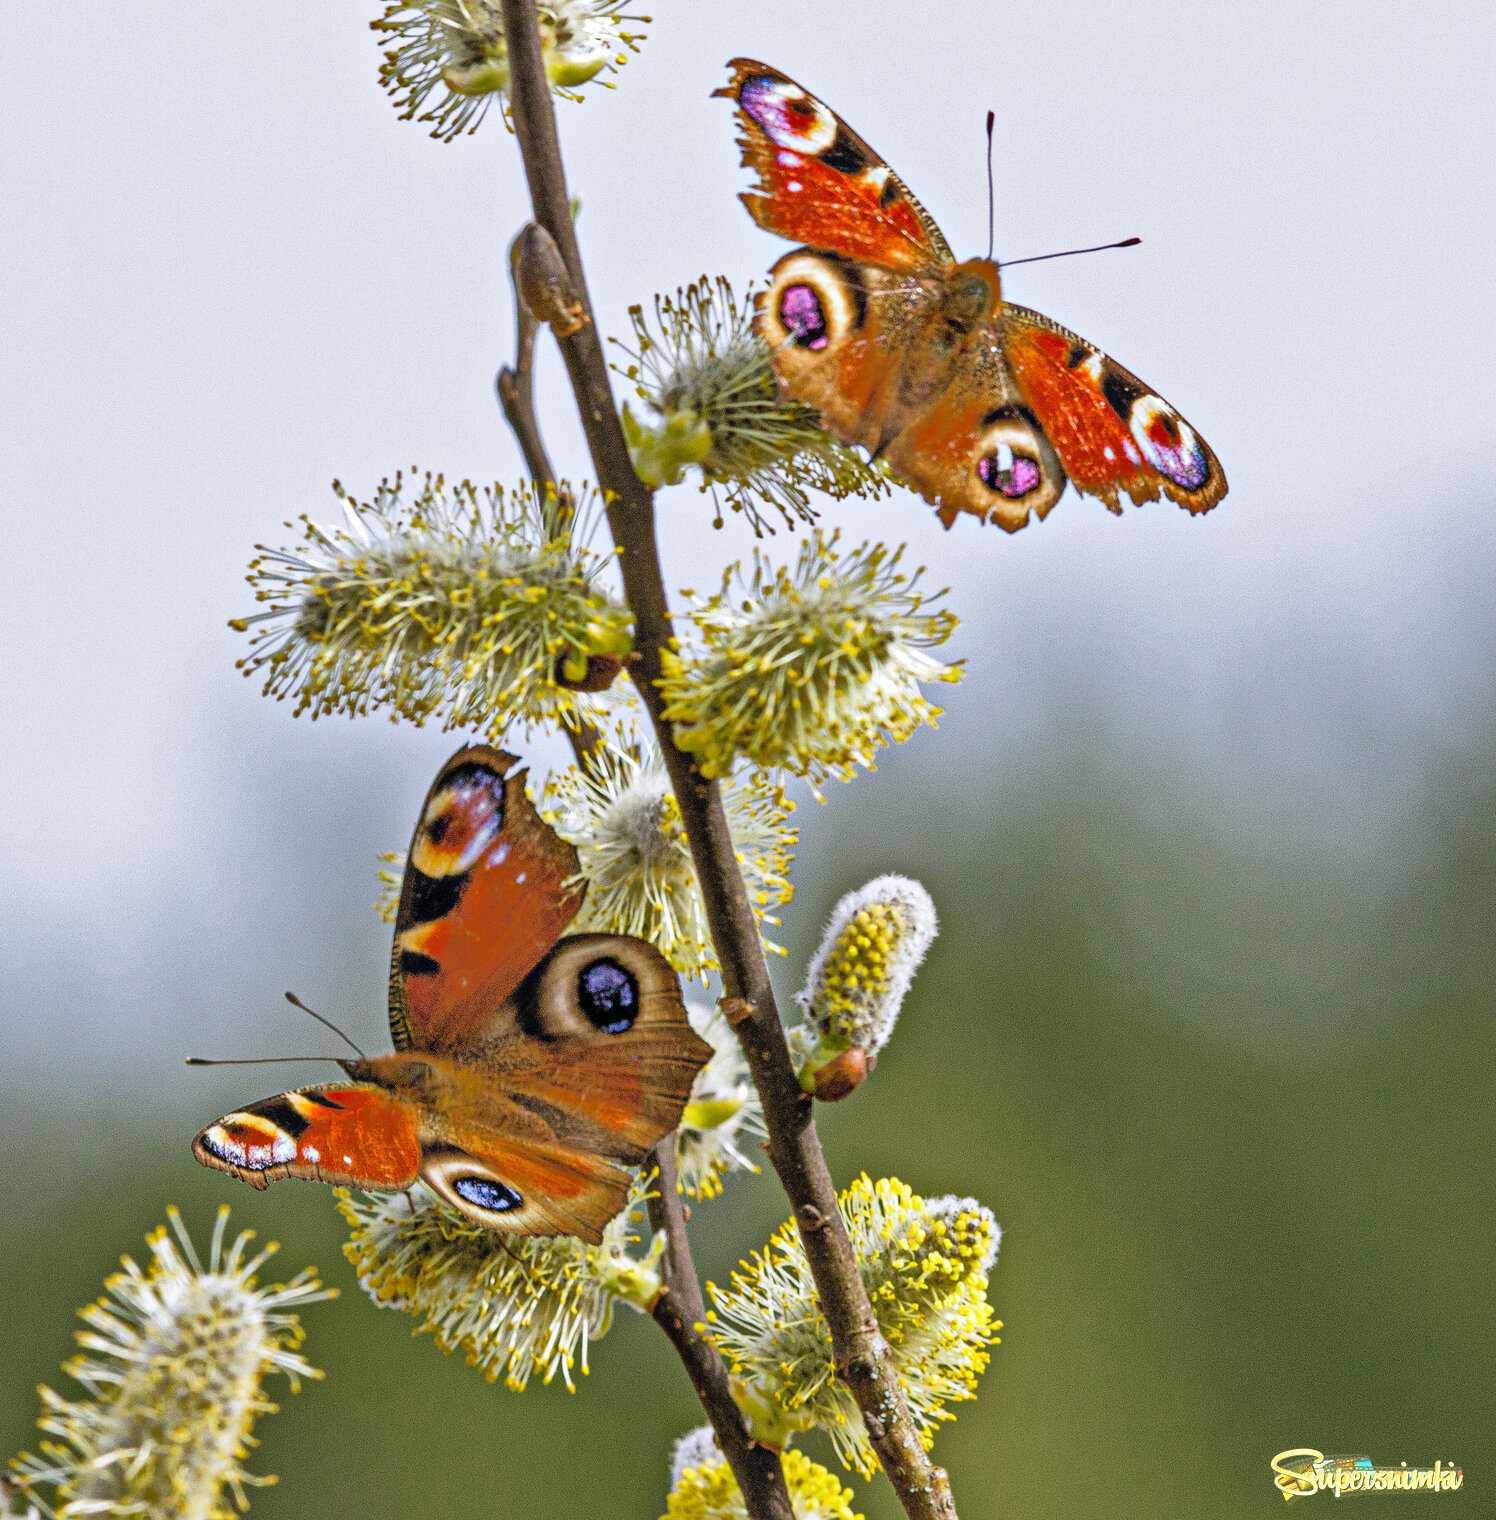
680	1312
515	384
863	1356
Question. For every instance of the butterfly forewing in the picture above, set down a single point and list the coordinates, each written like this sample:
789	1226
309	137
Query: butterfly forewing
819	183
485	896
1114	434
357	1134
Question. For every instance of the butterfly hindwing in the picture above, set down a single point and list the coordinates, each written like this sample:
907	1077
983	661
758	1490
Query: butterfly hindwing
485	896
531	1128
357	1134
841	336
819	183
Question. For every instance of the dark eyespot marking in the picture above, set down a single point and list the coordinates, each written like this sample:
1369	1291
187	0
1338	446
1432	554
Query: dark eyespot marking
1077	356
889	193
321	1100
1119	392
609	996
486	1193
278	1111
413	963
1021	476
845	155
431	897
804	317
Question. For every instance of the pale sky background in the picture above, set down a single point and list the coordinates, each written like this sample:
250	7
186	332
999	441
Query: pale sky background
229	273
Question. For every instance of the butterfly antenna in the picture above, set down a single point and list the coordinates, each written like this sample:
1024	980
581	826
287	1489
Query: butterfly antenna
1099	248
990	120
260	1060
296	1002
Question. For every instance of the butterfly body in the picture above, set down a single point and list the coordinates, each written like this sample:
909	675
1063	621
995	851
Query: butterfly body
983	406
532	1069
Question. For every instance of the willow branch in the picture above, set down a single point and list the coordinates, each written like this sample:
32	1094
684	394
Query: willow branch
863	1357
680	1311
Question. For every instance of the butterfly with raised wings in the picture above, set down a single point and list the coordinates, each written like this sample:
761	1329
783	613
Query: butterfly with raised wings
980	405
530	1071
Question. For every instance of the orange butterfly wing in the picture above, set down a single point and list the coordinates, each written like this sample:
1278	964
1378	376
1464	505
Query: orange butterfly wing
1114	435
531	1128
819	183
356	1134
485	896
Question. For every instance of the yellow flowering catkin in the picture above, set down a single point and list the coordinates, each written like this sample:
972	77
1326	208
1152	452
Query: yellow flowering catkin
707	376
457	604
924	1265
173	1363
858	978
455	51
636	860
515	1305
811	670
710	1492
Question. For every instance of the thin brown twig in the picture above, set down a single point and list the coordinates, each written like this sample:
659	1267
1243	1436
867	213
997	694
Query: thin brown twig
680	1312
863	1357
515	385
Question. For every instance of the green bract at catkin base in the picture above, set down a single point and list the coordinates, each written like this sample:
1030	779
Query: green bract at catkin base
455	50
516	1304
924	1264
623	818
702	1486
173	1363
810	671
708	380
464	605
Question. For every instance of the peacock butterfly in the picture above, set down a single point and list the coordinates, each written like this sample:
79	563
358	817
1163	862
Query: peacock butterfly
980	405
530	1069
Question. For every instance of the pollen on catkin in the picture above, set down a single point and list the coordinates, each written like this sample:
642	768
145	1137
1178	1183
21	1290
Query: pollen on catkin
705	1489
480	608
809	670
446	61
924	1265
515	1304
705	375
723	1113
858	977
172	1364
621	814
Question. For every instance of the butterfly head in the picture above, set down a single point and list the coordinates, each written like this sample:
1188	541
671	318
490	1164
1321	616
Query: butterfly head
973	293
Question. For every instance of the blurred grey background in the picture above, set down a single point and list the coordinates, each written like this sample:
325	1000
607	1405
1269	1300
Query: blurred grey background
1210	821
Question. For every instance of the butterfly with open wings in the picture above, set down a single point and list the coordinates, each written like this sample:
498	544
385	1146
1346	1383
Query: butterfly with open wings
980	405
530	1070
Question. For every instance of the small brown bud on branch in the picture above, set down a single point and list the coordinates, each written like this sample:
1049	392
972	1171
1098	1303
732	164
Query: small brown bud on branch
544	285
